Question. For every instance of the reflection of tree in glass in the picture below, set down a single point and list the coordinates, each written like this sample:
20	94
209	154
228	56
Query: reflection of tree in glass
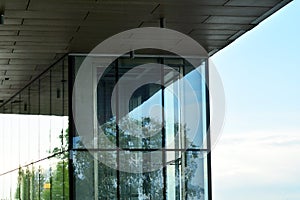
38	184
133	185
144	133
28	184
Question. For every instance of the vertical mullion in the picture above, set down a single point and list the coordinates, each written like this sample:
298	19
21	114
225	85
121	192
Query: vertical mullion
50	110
28	182
161	60
28	104
62	133
183	135
209	178
50	87
117	128
20	99
178	135
19	182
39	139
32	188
63	88
95	132
71	74
39	95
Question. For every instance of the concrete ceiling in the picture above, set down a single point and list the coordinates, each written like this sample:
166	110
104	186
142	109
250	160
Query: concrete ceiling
37	32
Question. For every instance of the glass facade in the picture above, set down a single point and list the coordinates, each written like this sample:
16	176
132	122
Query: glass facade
146	143
34	139
148	146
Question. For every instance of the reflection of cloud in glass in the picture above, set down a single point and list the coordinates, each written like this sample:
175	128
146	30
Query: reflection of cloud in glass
26	139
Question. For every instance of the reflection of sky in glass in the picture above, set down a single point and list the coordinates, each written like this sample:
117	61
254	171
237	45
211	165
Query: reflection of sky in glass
25	139
175	94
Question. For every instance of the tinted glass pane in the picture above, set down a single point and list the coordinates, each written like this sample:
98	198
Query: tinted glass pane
151	126
84	175
36	166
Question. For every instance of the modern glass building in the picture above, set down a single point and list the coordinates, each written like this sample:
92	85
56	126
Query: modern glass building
148	137
149	149
49	159
34	138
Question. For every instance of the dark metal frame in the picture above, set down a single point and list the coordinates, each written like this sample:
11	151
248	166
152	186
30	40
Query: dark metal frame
33	80
71	74
72	185
209	175
27	110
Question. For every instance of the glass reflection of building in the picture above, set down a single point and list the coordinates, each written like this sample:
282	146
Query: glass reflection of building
153	129
33	145
45	158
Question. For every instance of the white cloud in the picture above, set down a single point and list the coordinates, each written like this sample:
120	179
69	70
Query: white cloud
257	160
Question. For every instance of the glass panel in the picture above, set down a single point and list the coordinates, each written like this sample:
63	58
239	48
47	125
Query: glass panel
15	105
5	193
13	184
24	101
194	175
40	139
59	179
25	140
172	108
34	104
105	117
34	137
139	118
84	175
186	176
106	183
45	94
137	186
77	140
45	179
195	85
6	108
136	122
57	89
141	128
35	183
65	91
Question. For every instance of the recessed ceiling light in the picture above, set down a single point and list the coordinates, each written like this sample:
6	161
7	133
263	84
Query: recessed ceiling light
1	18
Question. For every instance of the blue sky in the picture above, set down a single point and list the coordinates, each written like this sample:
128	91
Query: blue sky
258	154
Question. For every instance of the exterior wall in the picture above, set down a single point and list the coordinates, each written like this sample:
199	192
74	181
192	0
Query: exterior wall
37	137
178	160
34	139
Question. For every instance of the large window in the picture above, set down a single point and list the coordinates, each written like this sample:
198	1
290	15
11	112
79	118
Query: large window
151	134
34	139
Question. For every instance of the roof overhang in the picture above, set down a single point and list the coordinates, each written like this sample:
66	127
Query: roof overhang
36	33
